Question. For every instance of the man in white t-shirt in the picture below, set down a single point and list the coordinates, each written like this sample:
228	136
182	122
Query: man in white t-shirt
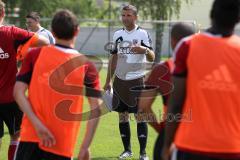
127	62
33	24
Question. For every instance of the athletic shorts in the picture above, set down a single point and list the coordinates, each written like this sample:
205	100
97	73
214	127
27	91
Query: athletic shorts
31	151
11	115
183	155
126	93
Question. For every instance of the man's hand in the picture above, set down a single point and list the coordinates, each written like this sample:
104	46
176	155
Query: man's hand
84	154
138	49
107	86
143	50
46	137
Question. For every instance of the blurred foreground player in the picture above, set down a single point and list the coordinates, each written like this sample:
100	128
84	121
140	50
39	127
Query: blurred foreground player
206	82
55	77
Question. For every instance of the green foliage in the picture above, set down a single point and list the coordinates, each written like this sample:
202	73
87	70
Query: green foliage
82	8
158	9
10	4
44	7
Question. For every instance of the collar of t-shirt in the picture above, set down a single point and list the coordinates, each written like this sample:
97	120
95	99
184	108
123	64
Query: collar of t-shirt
66	49
63	46
215	35
136	26
212	34
40	29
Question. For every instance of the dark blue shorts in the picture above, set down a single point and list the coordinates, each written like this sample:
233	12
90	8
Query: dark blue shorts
11	115
31	151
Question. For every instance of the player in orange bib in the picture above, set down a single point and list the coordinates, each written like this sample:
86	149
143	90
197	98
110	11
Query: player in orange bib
206	86
159	82
55	77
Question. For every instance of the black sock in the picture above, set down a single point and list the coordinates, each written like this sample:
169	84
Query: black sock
142	131
125	133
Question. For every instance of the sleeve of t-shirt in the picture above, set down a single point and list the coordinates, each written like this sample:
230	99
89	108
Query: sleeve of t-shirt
26	70
20	36
180	58
91	81
146	40
114	49
51	38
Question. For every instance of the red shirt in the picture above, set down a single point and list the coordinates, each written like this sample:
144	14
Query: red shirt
180	57
160	78
11	38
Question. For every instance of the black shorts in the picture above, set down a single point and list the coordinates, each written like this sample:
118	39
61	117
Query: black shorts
126	93
11	115
183	155
31	151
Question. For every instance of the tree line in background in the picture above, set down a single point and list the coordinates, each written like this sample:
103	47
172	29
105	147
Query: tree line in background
46	8
99	9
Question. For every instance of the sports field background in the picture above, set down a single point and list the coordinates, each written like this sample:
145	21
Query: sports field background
107	143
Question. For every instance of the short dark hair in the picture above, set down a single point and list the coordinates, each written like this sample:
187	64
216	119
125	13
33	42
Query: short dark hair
225	13
181	30
64	24
130	7
34	15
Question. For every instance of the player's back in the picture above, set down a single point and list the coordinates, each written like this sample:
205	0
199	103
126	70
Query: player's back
53	80
212	98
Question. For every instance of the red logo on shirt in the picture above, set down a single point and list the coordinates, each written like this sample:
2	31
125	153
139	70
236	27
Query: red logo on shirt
220	79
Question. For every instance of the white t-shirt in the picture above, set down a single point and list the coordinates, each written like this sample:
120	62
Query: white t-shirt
129	65
47	34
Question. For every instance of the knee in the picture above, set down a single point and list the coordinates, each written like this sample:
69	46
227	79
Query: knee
141	117
123	117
